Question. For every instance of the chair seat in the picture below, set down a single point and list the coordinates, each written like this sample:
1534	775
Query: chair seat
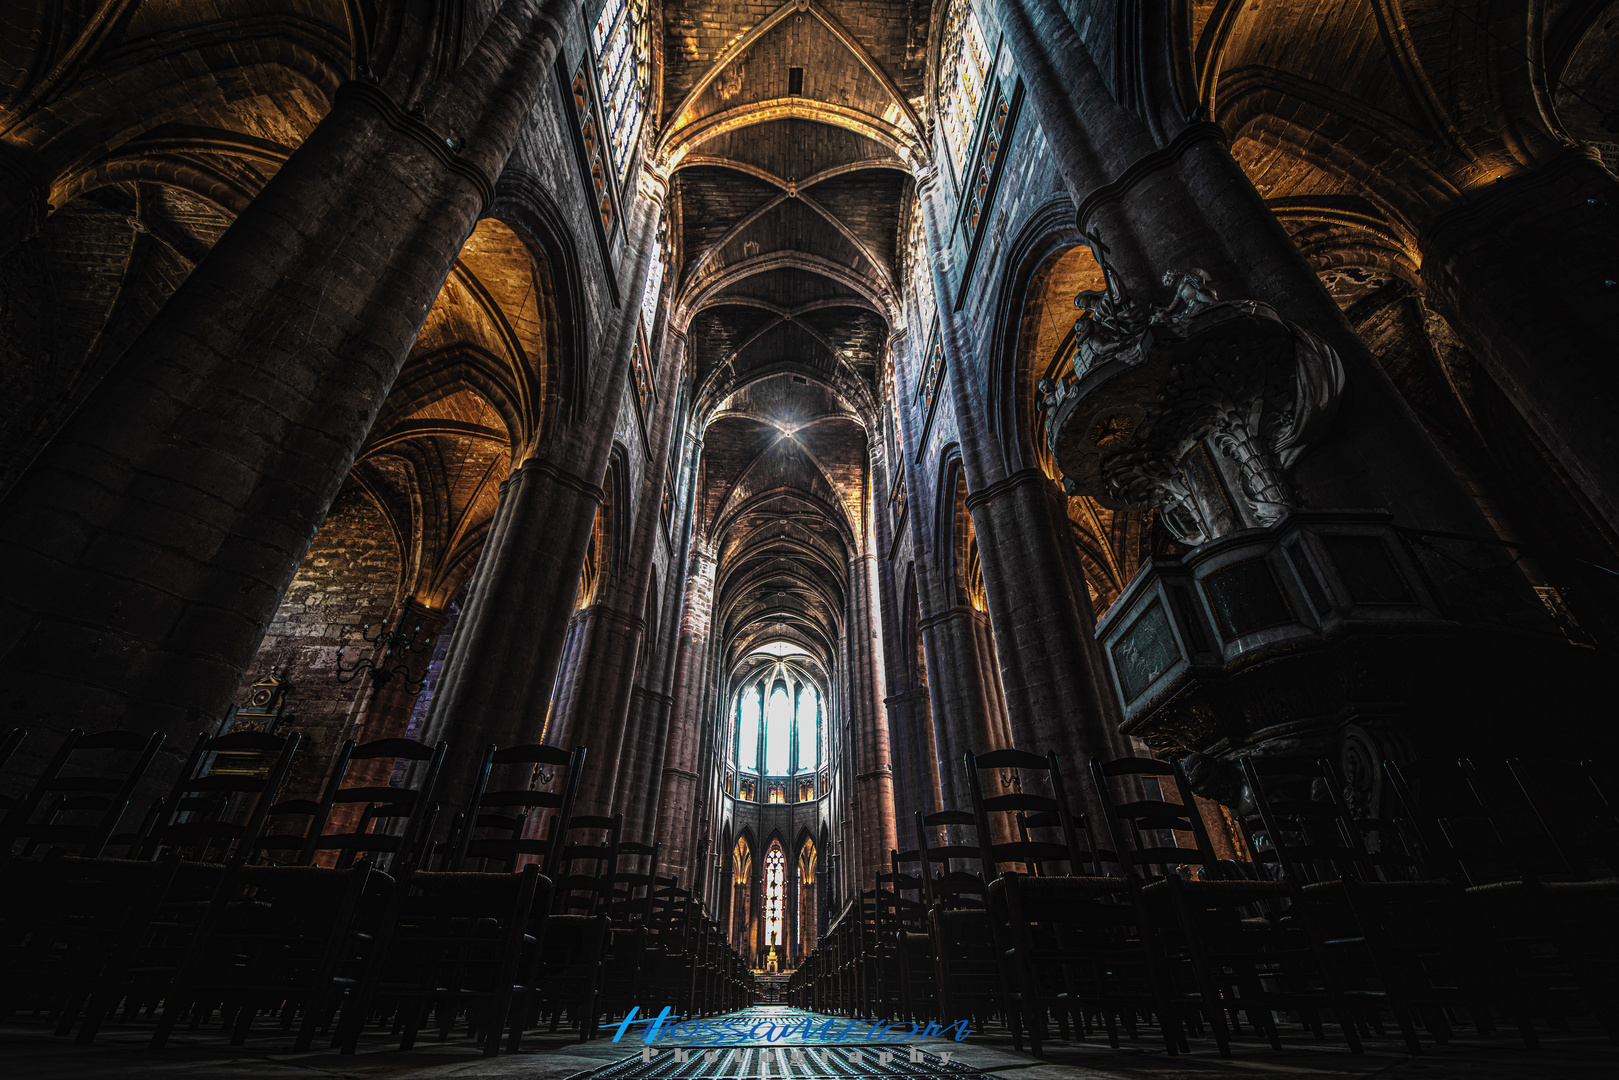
1220	893
1047	889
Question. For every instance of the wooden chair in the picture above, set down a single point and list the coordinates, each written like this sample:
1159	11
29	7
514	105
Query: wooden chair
499	828
78	935
10	743
279	938
464	942
228	777
577	933
1580	825
1393	939
81	796
409	810
629	916
1544	947
967	972
1068	933
1224	940
918	999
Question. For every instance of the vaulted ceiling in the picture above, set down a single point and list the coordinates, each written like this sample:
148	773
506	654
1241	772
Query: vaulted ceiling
790	136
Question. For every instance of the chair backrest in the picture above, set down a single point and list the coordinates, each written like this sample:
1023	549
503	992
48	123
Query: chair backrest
395	821
1153	837
217	808
908	869
586	867
10	743
1459	837
896	912
82	794
500	825
1022	813
633	889
1580	825
1304	828
943	884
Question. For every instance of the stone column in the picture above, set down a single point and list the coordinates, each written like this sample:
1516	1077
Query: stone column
502	665
678	787
148	546
635	792
966	718
1187	204
1056	691
873	787
1058	694
1524	271
593	707
593	698
910	724
965	712
503	658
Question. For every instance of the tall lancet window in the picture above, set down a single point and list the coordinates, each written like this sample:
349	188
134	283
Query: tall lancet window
962	62
620	39
775	885
920	272
809	742
748	709
779	732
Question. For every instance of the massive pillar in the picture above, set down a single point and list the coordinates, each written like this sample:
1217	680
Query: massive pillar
678	796
640	774
965	704
910	722
1057	696
148	546
1188	204
1524	272
592	708
502	665
873	788
967	714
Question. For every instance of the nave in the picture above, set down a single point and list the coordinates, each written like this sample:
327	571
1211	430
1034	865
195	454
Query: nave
1071	517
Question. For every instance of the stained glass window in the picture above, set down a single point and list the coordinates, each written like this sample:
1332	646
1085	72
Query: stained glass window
779	732
962	62
808	719
747	741
778	721
920	273
654	280
620	39
775	880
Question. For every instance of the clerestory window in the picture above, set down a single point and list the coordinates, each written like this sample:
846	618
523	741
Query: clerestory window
621	39
963	59
778	725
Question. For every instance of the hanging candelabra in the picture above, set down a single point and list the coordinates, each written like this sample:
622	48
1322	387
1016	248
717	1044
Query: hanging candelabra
388	659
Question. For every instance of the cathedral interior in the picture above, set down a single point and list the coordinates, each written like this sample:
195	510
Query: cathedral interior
1057	517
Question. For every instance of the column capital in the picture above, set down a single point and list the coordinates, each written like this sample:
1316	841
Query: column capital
444	148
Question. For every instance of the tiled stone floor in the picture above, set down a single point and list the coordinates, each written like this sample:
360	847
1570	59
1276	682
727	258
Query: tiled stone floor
29	1051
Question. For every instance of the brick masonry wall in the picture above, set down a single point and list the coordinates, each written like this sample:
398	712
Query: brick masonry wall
351	576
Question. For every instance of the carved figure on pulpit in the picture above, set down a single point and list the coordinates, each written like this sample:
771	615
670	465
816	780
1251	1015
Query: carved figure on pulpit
1192	291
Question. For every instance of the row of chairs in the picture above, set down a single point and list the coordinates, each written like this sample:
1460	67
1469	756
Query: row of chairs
1477	896
344	910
